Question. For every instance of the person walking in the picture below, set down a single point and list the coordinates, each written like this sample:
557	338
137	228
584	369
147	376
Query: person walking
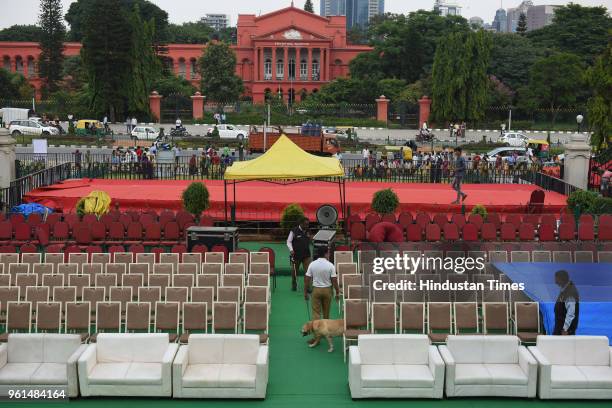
321	276
458	175
134	123
298	243
128	125
567	306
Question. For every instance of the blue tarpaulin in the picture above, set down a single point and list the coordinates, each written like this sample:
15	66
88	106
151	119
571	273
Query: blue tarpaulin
594	284
27	209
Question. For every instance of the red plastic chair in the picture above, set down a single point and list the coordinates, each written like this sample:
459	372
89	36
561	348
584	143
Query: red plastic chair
200	248
586	232
134	215
451	232
28	249
98	232
567	231
567	218
52	218
71	249
440	220
432	232
165	217
89	218
82	234
182	218
458	220
476	219
6	232
34	220
508	232
605	220
469	232
526	232
16	219
206	221
71	219
152	234
61	231
422	220
404	219
93	249
533	219
134	233
488	232
42	234
136	249
171	233
389	218
54	249
548	219
514	219
116	232
414	233
179	249
113	249
125	219
157	251
604	232
586	219
370	220
494	219
546	233
358	231
350	220
23	232
115	214
107	219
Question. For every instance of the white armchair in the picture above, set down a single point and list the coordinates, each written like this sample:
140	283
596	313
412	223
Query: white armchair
495	366
395	366
128	364
574	367
221	366
39	361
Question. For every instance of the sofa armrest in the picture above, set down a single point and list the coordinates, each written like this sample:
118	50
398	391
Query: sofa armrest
71	371
544	367
449	363
262	356
354	367
181	360
3	354
262	369
169	354
87	361
529	365
436	366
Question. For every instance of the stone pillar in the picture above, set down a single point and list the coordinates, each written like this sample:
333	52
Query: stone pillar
382	109
273	63
255	70
576	163
309	65
285	64
424	110
197	101
155	106
7	158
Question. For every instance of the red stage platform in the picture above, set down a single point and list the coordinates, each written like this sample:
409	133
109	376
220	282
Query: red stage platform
265	201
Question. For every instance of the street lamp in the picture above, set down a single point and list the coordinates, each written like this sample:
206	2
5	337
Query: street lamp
579	120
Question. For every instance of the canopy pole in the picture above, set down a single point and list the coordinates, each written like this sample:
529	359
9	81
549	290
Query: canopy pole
225	195
234	217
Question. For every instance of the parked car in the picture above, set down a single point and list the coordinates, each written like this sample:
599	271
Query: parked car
144	133
31	127
514	139
506	152
229	132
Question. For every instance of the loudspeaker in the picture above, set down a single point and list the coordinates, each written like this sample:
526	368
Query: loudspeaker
327	215
211	236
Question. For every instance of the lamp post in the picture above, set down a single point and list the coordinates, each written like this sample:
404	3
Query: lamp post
579	120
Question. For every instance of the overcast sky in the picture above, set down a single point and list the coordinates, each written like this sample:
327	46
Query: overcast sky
26	11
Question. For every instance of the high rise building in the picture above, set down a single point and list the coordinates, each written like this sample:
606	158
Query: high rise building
333	8
216	21
514	14
500	22
447	8
360	12
540	16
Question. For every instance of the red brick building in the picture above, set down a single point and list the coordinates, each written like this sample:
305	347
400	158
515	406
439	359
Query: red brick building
289	52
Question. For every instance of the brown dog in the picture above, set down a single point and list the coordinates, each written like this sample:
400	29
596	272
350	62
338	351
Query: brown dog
323	328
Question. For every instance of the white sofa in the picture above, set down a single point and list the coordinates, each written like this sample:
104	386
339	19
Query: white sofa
395	366
40	361
221	366
494	366
574	367
128	364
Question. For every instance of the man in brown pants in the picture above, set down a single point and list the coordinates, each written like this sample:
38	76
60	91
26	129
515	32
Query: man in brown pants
322	275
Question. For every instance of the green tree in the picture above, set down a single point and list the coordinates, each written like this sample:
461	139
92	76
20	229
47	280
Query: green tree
576	29
385	201
555	83
30	33
189	33
14	86
308	6
599	106
106	55
460	81
521	27
196	199
51	43
218	72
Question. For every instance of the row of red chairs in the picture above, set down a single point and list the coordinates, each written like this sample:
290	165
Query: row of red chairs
489	232
423	219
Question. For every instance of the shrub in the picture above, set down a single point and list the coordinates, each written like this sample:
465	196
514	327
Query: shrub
602	205
196	199
582	201
385	201
480	210
291	217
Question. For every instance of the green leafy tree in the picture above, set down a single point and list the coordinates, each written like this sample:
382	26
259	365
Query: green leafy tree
460	81
308	6
599	106
196	199
521	26
168	84
291	217
14	86
218	72
576	29
106	55
52	39
385	201
30	33
189	33
555	83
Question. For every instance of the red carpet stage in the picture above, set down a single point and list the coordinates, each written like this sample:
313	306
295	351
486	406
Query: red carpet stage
264	201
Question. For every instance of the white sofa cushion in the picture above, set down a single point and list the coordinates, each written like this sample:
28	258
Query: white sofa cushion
237	376
591	350
466	349
240	349
597	376
413	376
376	349
567	376
500	349
202	375
50	373
128	347
108	373
378	375
474	374
506	374
558	350
411	350
393	349
25	348
59	347
17	373
143	374
205	349
112	349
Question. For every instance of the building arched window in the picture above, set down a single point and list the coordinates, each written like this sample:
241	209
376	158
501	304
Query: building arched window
315	70
268	69
291	68
193	68
31	67
6	63
182	68
280	69
303	70
19	65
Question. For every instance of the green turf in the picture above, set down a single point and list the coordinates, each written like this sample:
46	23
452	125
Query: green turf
301	377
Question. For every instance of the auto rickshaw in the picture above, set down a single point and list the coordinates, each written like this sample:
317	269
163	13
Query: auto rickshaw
90	127
540	148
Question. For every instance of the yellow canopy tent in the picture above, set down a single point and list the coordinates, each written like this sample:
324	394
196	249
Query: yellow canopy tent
286	163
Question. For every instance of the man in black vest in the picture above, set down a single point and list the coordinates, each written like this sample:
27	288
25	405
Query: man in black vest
567	307
298	243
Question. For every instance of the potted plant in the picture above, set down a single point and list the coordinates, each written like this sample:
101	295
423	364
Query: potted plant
196	199
385	201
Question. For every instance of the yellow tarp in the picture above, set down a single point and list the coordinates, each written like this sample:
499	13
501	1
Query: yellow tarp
285	160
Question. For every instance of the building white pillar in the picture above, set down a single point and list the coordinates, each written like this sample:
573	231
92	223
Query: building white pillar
576	162
309	65
7	158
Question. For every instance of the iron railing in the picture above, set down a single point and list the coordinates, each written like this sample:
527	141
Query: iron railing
551	183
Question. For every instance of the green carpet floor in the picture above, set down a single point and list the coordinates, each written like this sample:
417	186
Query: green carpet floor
301	377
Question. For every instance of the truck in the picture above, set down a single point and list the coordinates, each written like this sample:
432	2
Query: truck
309	138
7	115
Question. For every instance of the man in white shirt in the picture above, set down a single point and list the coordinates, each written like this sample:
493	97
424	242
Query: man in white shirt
366	156
322	276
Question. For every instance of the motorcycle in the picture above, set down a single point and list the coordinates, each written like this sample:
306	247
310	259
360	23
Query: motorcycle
425	135
180	131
